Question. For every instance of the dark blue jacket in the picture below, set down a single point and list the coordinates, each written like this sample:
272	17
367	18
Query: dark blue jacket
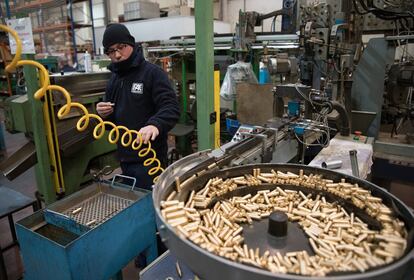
143	96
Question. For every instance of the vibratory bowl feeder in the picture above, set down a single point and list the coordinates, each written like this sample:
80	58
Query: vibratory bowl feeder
281	221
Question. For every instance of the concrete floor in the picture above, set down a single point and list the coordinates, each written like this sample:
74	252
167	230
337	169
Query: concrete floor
26	184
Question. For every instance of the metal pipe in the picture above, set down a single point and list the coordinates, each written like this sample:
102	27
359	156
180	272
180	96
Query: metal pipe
277	47
223	47
277	37
93	28
334	164
354	162
72	28
345	120
400	37
291	38
273	14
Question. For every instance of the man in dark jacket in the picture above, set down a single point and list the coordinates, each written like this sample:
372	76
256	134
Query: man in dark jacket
138	96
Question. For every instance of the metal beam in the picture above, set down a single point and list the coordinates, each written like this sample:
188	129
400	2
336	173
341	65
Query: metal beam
397	149
42	168
271	38
204	73
217	142
72	28
93	28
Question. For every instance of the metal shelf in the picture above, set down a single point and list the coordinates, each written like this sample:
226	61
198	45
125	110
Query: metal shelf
61	26
35	5
39	11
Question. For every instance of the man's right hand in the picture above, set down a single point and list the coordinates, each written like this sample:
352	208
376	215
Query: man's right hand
104	109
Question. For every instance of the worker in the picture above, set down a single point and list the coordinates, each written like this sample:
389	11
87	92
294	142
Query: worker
63	63
138	96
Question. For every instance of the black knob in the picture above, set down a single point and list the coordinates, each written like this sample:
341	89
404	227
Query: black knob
278	222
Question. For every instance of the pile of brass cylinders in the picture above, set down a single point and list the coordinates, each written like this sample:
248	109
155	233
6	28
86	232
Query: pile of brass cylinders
340	240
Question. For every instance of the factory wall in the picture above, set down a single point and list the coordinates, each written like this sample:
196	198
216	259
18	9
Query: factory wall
231	14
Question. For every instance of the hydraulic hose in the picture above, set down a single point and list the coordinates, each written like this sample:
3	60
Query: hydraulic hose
345	120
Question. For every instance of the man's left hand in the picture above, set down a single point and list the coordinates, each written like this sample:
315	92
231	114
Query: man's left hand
148	132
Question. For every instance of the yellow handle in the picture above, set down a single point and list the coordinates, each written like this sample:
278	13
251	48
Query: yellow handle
129	137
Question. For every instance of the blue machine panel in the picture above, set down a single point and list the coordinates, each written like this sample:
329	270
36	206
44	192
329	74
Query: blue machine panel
293	108
299	130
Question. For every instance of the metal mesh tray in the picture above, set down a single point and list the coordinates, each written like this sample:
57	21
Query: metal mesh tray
92	206
97	209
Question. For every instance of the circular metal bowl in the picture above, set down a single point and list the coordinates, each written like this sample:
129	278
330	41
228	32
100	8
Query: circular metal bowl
210	266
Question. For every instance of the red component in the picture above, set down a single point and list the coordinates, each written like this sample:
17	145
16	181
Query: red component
357	133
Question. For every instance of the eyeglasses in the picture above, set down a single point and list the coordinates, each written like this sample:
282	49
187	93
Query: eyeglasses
111	51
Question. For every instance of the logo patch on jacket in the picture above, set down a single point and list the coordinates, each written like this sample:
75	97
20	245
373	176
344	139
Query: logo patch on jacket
137	88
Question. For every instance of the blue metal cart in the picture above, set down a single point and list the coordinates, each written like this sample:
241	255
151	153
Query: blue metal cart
91	234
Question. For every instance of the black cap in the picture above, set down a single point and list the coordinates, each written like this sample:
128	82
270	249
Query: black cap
116	33
278	223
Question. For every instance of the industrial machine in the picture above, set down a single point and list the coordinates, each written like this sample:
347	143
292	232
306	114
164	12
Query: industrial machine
340	90
341	77
71	154
351	71
319	65
398	106
323	81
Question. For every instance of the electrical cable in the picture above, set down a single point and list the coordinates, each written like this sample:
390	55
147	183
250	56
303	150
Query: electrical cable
380	13
357	9
303	95
389	3
306	97
273	25
311	144
127	137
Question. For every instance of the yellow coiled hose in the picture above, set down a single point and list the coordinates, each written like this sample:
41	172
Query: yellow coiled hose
128	136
